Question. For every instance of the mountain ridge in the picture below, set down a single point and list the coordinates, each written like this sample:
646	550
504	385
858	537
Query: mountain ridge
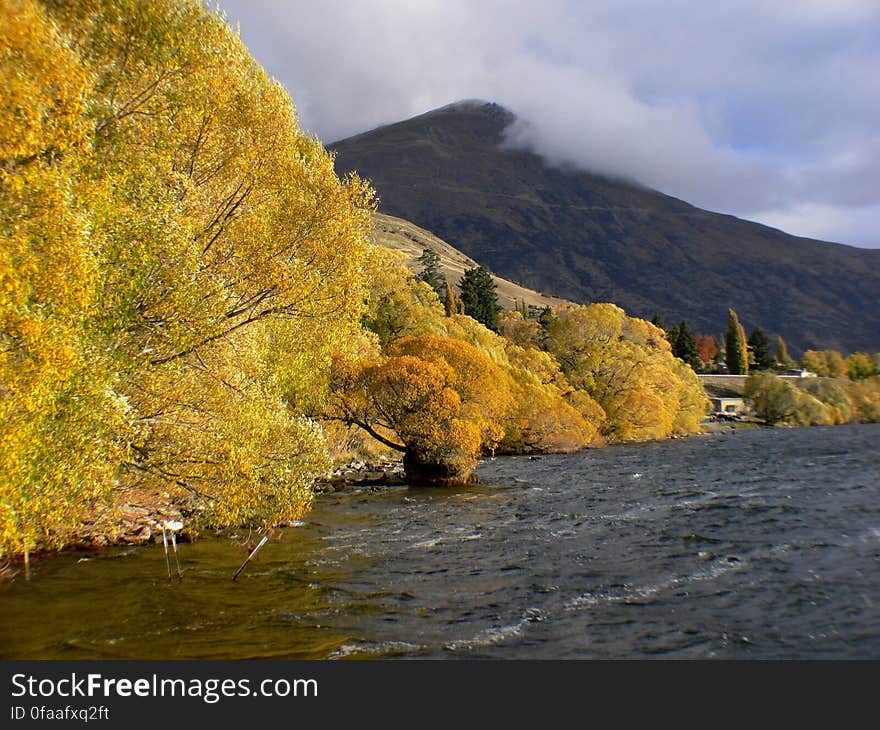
588	237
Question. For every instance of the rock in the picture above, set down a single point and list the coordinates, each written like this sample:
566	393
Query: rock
140	536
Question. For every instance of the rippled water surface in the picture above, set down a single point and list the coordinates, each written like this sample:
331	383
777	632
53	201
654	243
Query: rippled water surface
759	544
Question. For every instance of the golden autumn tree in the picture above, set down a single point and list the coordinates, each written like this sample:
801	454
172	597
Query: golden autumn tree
625	364
440	401
548	413
182	263
409	405
860	365
63	426
398	303
777	401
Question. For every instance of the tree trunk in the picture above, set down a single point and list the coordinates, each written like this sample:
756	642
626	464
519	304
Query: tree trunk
421	473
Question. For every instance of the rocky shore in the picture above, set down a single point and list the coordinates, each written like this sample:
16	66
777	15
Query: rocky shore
360	474
137	515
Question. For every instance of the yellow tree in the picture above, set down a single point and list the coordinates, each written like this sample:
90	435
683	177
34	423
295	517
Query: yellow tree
182	263
398	304
63	428
410	405
860	365
625	364
483	386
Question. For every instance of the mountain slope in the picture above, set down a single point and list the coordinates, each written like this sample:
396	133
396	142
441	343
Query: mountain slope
586	238
402	235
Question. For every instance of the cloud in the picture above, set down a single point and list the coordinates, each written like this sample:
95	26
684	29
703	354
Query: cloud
764	110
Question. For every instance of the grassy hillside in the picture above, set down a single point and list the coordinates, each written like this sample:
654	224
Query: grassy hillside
401	235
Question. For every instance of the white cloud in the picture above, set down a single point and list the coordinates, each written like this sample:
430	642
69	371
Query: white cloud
857	226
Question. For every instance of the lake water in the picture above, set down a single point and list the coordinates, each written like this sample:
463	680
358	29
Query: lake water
758	544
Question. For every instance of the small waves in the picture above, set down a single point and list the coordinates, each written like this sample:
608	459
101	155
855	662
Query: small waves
376	648
497	634
640	594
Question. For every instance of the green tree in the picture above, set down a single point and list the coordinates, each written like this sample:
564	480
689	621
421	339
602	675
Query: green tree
479	297
684	345
430	274
736	349
759	345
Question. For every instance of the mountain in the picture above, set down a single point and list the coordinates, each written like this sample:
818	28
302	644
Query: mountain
587	237
402	235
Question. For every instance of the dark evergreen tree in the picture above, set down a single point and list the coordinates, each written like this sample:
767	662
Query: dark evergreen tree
431	275
479	297
657	321
759	345
684	345
736	350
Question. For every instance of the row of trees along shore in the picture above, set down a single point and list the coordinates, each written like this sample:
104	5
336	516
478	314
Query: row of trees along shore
845	389
444	376
741	354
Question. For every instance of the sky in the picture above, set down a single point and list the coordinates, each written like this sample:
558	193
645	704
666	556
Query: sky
765	109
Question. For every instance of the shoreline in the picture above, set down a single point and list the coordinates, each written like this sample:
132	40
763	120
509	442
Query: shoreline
136	516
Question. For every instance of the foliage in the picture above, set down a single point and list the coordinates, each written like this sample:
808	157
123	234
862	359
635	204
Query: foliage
520	330
545	416
759	349
866	399
438	400
684	345
707	349
782	357
627	367
777	401
835	394
826	363
814	401
860	365
398	305
451	303
482	384
430	273
479	297
735	347
181	263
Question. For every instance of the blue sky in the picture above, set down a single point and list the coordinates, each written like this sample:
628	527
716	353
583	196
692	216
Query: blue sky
767	110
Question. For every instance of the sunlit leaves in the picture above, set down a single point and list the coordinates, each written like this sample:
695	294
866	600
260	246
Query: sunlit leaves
625	364
180	263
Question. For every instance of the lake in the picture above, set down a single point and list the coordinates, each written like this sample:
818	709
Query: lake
754	544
